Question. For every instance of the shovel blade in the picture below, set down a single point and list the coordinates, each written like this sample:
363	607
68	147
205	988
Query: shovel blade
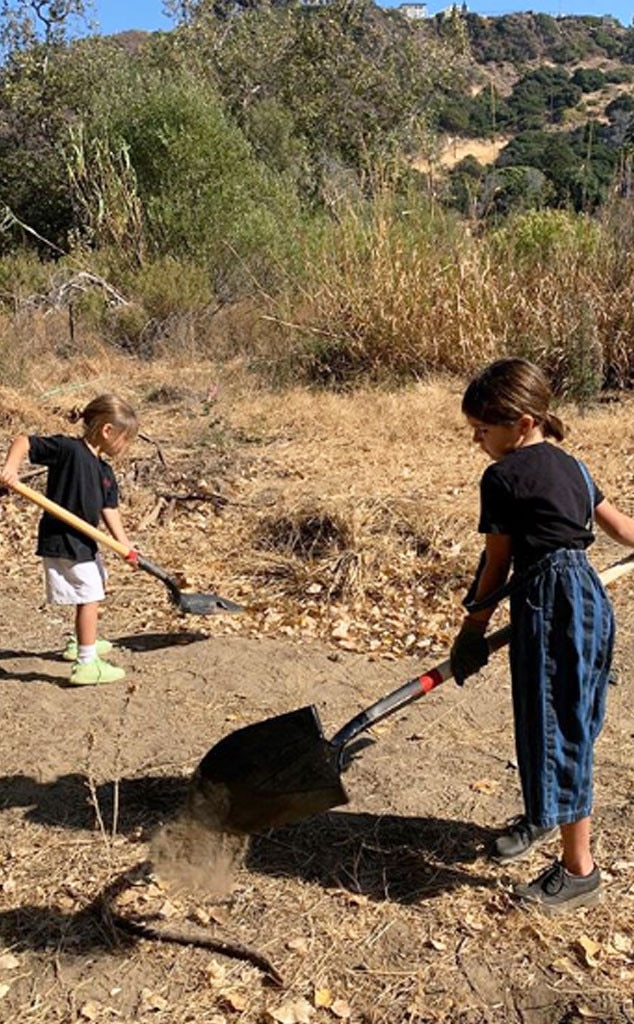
205	604
273	772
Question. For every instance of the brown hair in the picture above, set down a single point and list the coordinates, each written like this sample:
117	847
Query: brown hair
510	388
107	409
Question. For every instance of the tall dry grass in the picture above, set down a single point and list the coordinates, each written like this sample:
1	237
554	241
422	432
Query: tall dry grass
391	289
403	291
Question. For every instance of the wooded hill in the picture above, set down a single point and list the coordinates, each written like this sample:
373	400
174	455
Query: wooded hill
558	93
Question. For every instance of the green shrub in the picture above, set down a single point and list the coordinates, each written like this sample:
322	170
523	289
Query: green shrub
205	197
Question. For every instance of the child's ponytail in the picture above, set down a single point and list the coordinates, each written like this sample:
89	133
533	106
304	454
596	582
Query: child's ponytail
553	426
106	409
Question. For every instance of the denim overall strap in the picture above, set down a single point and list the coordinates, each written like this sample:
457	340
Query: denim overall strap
590	485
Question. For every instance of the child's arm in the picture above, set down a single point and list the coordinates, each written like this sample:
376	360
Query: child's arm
497	562
114	523
616	524
17	453
470	651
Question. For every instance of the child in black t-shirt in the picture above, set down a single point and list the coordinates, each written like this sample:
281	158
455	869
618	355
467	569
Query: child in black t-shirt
538	506
81	481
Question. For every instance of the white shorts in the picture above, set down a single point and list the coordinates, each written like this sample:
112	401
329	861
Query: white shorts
69	582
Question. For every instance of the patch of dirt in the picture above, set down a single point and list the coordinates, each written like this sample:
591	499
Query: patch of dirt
379	911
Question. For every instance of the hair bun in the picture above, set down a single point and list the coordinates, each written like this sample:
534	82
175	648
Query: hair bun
76	414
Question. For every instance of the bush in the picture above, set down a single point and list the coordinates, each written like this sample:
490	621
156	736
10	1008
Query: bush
589	79
205	197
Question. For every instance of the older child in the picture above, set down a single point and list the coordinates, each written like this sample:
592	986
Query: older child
538	505
84	483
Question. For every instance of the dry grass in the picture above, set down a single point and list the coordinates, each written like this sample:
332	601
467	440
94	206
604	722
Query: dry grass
346	518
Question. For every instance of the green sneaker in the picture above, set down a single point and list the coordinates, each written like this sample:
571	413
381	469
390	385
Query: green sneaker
92	673
71	650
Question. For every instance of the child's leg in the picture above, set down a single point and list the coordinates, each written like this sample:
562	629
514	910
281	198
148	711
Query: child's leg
577	856
86	618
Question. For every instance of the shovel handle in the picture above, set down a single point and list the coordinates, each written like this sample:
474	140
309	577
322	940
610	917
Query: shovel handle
72	520
434	677
409	692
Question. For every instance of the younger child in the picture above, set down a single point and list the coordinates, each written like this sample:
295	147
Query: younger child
81	481
538	506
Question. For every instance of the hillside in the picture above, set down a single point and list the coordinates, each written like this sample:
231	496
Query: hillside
546	116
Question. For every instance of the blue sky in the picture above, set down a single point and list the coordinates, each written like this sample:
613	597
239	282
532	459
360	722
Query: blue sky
118	15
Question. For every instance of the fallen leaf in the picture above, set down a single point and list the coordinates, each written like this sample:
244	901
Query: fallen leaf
589	1014
485	785
8	962
90	1010
621	942
167	910
472	922
234	1000
322	997
563	965
293	1011
298	945
3	990
219	915
216	973
340	630
356	899
152	1001
341	1009
589	949
437	944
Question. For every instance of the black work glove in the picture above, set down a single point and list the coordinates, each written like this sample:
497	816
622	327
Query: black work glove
469	651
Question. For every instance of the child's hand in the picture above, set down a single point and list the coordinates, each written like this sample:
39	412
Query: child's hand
8	475
469	651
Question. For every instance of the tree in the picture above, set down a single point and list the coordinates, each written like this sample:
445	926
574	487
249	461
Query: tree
27	23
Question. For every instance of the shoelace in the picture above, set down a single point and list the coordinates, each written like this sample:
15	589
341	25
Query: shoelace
552	879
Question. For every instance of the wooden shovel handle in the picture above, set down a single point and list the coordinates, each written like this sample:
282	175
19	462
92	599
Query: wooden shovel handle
72	520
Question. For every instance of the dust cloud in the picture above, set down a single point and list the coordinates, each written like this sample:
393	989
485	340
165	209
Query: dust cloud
195	850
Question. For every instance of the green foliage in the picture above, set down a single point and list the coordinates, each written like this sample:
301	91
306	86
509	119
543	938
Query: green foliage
25	24
541	96
547	237
624	103
619	76
356	84
589	79
527	37
514	188
34	130
204	195
579	165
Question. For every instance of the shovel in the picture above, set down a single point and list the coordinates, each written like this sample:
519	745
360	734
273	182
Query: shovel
193	604
283	769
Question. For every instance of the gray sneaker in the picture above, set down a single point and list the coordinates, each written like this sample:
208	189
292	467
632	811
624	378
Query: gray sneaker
519	838
556	889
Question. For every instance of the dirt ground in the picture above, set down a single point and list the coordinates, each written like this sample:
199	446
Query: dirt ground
382	910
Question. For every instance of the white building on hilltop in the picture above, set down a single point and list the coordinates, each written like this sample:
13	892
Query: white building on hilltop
413	10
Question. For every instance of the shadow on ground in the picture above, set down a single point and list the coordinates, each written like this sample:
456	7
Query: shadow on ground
69	801
383	857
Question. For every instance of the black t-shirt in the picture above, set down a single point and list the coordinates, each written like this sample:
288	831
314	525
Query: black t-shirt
539	496
80	482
